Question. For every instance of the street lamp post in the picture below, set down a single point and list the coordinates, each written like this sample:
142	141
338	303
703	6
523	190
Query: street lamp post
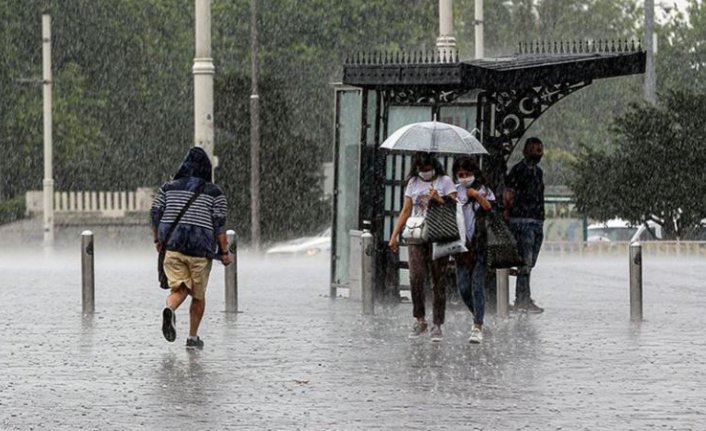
650	75
48	182
446	42
478	21
254	131
203	72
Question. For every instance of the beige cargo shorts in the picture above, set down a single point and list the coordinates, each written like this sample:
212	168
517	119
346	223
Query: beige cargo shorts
190	271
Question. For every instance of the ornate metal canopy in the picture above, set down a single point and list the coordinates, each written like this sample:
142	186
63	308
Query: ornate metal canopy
515	89
534	65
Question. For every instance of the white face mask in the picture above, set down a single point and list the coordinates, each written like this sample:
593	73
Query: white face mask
426	175
467	181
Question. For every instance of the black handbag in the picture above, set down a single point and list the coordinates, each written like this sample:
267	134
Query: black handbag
500	243
441	221
161	275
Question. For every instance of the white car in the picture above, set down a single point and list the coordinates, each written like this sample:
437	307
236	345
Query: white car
305	246
621	230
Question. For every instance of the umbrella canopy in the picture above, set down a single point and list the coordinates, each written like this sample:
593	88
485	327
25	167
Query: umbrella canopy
433	137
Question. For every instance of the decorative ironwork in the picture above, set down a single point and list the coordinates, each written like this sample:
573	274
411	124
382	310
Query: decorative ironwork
580	47
445	56
451	56
421	95
516	110
435	56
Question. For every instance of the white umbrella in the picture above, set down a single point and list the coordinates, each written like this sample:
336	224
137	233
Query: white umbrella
433	137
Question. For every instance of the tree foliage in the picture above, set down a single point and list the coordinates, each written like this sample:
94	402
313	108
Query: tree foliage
656	169
291	194
123	93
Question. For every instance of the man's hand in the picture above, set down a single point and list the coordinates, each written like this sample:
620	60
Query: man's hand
226	260
158	246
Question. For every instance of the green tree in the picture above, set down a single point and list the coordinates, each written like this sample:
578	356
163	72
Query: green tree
291	174
656	169
681	56
123	80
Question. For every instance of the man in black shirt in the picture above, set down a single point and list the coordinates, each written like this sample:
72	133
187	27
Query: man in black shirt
524	208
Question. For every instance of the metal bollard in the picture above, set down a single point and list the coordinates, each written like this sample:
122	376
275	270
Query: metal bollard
368	276
231	272
87	272
635	281
502	291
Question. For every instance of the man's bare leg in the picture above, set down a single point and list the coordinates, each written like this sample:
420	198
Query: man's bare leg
198	306
177	297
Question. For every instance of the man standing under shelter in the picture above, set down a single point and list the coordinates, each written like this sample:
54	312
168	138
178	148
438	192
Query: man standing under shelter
523	200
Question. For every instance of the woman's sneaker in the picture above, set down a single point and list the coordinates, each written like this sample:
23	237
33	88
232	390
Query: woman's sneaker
476	335
420	327
436	334
169	324
194	343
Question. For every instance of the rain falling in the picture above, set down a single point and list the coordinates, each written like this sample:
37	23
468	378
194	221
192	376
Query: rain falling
276	158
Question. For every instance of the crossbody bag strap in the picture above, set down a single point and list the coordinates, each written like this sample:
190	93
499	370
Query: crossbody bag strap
182	212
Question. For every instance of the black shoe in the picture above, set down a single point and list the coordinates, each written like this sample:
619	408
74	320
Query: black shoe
169	324
528	307
194	344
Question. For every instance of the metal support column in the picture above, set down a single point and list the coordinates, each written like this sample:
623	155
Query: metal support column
231	274
503	292
368	276
87	272
636	281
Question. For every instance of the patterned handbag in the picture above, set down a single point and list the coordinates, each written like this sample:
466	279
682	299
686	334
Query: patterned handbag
500	243
441	221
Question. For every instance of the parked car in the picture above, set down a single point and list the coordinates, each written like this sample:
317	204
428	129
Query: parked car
305	246
621	230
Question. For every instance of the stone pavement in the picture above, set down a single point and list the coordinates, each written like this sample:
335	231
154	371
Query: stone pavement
295	359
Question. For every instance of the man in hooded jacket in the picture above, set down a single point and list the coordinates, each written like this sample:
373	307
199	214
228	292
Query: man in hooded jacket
198	238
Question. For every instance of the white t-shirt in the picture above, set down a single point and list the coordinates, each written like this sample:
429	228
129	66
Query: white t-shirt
418	190
469	211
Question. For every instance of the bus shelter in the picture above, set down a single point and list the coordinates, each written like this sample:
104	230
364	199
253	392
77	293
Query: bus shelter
500	97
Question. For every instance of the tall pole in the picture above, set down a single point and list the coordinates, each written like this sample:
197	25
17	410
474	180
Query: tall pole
479	38
650	75
254	131
446	42
203	80
48	182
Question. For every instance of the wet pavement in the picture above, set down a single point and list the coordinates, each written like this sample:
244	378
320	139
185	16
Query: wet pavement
295	359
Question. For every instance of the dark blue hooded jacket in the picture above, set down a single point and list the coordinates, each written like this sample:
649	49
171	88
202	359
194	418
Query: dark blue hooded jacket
196	232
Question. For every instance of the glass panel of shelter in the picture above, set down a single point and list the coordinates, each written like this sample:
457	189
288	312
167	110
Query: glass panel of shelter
348	177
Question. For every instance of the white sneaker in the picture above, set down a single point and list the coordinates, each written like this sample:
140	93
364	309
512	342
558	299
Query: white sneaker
436	334
476	335
420	327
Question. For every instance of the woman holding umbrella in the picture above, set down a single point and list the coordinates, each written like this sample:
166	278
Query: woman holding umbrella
426	180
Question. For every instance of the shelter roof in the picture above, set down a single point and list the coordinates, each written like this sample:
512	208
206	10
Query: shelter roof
533	66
